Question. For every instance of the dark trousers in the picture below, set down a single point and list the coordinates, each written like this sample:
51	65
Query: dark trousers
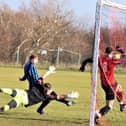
47	101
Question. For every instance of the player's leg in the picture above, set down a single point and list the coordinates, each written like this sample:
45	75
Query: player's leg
46	102
12	104
11	92
62	99
85	62
120	97
40	110
109	104
104	110
42	106
107	107
20	99
66	102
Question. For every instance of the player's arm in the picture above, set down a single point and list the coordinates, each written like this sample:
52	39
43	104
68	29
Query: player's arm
118	57
70	95
117	61
33	73
22	78
54	96
85	62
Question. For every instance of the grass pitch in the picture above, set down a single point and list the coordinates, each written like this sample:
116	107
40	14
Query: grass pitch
57	114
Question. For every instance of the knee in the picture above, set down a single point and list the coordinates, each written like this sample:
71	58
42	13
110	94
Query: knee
119	88
12	104
110	105
14	93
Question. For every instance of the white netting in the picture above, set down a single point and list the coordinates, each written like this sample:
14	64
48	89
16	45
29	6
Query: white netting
113	25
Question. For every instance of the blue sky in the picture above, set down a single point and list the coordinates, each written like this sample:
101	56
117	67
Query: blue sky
81	7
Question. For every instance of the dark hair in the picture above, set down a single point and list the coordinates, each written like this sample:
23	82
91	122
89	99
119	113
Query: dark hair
40	78
33	56
48	85
108	50
117	47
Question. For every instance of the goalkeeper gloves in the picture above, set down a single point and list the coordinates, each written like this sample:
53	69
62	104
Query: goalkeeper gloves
73	94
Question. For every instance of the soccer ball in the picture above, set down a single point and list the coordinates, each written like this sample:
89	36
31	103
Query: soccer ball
117	56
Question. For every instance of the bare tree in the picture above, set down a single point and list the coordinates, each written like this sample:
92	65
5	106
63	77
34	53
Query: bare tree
39	26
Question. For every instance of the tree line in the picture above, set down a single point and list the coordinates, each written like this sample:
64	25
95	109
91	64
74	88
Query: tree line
42	26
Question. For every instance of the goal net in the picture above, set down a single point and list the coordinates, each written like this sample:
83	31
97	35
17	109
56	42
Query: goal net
110	30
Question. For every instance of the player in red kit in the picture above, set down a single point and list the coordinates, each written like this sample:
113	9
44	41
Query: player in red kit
106	64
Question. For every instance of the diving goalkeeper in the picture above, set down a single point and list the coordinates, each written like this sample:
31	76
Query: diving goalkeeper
31	97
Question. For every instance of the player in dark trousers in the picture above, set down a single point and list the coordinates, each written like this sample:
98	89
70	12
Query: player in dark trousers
60	98
24	97
30	74
27	98
110	86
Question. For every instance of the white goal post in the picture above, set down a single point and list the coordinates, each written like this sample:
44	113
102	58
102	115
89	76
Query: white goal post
99	7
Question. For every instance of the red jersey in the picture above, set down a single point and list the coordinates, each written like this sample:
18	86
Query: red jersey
106	67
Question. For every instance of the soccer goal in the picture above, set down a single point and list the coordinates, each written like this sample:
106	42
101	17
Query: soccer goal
110	30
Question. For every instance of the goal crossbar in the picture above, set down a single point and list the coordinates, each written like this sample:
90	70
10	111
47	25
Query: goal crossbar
112	4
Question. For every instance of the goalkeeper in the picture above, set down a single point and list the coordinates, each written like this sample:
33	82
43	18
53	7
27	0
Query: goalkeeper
31	97
24	97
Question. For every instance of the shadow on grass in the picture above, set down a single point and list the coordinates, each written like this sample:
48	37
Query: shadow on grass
76	121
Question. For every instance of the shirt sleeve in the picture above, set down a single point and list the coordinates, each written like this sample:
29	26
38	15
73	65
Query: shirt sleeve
116	61
23	78
34	73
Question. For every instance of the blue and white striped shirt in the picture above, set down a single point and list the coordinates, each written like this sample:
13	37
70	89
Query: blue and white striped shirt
30	73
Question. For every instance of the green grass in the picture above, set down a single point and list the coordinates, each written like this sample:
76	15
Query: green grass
57	113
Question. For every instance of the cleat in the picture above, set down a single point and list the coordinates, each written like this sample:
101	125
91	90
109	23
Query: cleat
82	69
1	109
1	90
70	103
41	112
97	117
96	120
122	107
